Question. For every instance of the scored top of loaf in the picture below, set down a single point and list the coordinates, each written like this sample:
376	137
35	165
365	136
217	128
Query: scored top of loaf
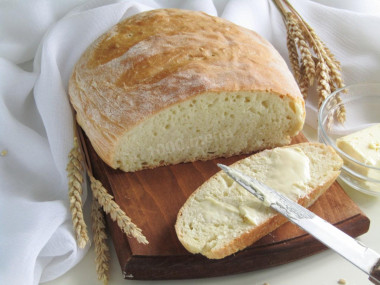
158	58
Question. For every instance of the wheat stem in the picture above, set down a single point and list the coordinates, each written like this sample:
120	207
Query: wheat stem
75	177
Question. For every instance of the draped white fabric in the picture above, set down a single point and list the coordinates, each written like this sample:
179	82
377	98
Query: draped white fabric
37	243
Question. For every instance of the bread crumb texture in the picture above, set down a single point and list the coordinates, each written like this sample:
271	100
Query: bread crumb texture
213	219
169	86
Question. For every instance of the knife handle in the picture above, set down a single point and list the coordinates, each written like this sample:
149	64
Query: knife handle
375	273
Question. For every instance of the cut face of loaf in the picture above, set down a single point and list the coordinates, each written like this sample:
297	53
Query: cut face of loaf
169	86
221	218
210	125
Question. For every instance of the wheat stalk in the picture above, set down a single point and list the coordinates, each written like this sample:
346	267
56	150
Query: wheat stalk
304	82
326	69
104	200
293	56
341	111
323	84
77	156
327	55
334	70
102	255
75	177
320	47
108	204
295	33
299	71
117	214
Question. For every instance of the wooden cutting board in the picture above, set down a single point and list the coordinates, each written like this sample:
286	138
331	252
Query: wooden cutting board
152	199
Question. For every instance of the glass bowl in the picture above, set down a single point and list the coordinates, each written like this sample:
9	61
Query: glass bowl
362	104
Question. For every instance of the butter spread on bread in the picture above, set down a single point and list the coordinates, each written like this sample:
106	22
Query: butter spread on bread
169	86
221	218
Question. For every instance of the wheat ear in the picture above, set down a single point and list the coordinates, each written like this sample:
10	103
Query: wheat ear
327	55
117	214
323	86
296	33
336	80
75	177
293	56
326	68
334	70
102	255
341	111
304	83
299	72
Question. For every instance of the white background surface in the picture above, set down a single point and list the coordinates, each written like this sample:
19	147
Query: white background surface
324	268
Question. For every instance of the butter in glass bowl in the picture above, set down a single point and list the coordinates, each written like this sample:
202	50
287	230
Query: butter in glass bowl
357	140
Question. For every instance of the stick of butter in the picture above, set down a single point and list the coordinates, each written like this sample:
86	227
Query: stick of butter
364	146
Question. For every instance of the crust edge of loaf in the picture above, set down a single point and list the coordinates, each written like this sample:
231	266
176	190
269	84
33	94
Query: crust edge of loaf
106	149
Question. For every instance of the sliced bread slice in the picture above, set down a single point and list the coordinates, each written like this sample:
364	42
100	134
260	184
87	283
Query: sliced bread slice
221	218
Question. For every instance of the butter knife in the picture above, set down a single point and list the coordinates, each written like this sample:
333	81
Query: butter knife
358	254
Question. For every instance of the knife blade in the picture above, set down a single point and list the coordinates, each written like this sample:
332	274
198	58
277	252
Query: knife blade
354	251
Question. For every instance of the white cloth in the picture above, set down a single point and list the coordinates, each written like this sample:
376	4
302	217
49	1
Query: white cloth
36	238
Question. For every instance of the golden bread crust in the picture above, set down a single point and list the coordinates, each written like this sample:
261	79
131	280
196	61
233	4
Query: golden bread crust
159	58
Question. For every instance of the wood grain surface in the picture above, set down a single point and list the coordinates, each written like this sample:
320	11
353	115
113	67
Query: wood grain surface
152	198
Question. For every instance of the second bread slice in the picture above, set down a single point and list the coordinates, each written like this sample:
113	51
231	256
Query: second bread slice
221	218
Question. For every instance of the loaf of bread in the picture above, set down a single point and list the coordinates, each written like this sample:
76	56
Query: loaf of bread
221	217
169	86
